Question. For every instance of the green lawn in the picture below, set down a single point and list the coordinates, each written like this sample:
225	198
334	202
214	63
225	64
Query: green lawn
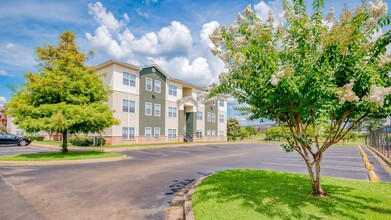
51	156
260	194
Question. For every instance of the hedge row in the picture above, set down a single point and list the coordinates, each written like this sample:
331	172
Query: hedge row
87	141
35	138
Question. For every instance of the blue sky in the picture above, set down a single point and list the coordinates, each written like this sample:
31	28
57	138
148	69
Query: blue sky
170	33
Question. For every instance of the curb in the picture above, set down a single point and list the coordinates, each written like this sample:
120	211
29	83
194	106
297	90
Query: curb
181	205
61	162
385	159
371	173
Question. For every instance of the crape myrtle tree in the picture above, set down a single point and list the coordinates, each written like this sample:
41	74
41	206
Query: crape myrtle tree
308	70
65	96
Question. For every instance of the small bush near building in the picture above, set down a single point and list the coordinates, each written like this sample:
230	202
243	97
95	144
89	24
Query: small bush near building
39	138
81	141
100	141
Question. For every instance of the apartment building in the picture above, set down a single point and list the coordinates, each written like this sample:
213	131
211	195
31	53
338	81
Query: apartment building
3	118
154	107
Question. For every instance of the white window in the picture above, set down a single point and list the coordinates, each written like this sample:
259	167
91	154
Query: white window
172	112
129	79
208	133
198	96
171	133
148	133
209	116
148	84
156	133
221	134
221	102
157	86
148	108
127	133
172	90
221	118
213	133
199	133
128	106
199	115
213	117
157	110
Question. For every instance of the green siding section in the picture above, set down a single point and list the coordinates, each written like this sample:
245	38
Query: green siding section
212	109
190	124
154	98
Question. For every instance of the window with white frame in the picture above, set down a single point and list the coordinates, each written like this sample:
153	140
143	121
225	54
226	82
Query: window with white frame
221	134
148	108
129	79
198	96
128	106
209	116
221	102
171	133
157	110
221	118
199	116
208	133
148	133
127	133
148	84
213	133
199	133
172	90
213	117
157	86
172	112
156	132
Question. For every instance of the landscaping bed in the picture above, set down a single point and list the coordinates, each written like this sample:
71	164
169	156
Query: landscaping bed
260	194
56	156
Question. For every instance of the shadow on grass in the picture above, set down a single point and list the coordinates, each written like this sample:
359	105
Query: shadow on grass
282	196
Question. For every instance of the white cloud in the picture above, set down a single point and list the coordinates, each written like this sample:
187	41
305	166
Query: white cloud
103	41
3	100
139	12
3	73
147	2
262	10
10	45
105	18
196	71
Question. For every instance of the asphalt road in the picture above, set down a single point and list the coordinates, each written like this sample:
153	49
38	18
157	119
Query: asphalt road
142	187
15	149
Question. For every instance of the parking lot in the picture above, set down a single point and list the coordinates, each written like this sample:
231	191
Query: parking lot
15	149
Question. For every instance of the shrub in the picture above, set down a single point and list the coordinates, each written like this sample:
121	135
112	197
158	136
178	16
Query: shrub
81	141
30	137
39	137
100	141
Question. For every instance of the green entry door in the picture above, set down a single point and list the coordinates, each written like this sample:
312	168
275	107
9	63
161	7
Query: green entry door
190	123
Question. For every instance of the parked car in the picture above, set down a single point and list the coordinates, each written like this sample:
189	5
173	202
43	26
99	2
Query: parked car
7	138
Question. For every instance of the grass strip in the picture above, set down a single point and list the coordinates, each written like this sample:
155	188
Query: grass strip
54	156
260	194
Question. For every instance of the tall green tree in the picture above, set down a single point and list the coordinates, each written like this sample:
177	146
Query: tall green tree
233	128
65	96
252	130
370	124
308	70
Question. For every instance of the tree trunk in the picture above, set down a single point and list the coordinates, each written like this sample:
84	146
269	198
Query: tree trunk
315	178
64	142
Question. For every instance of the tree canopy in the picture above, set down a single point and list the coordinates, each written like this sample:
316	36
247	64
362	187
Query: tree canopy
308	70
65	96
233	129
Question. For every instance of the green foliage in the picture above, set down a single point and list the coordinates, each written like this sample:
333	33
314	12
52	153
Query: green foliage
308	71
244	133
100	141
273	133
65	96
233	129
252	130
35	137
370	124
81	141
